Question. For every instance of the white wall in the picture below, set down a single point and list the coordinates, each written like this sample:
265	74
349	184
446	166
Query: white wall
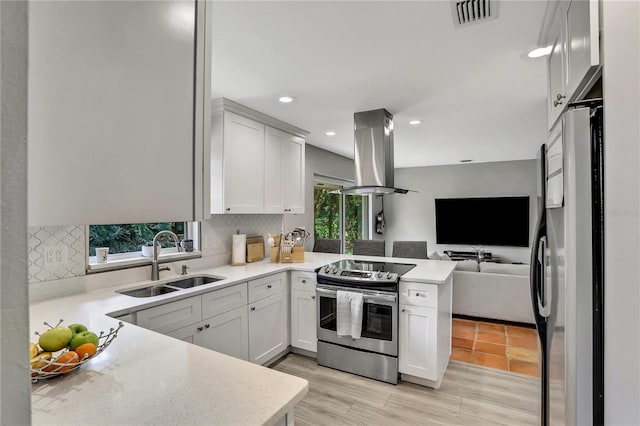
318	161
412	216
621	89
15	387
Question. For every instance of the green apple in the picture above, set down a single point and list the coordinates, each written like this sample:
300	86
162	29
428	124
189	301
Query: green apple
77	328
82	338
55	339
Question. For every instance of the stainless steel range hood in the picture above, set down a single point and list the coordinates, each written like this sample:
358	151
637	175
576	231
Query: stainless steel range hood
373	154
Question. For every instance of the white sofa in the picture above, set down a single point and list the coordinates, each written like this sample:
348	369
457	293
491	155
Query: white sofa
492	290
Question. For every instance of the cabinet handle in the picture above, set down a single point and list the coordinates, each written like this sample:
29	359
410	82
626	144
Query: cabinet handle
556	103
200	328
228	209
304	281
560	97
313	298
253	308
207	325
268	285
404	310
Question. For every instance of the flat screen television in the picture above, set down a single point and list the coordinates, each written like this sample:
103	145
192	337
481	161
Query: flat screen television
499	221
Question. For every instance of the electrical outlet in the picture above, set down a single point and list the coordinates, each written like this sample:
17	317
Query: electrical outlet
55	255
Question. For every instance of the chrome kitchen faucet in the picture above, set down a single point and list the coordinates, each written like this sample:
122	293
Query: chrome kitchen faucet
155	271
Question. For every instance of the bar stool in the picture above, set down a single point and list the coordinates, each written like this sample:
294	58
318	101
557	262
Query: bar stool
410	249
368	247
327	245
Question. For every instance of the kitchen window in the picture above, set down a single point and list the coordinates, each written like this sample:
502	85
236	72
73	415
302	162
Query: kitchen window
126	241
337	216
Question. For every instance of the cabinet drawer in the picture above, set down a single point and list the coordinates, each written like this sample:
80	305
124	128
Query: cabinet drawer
224	300
171	316
266	286
419	294
305	281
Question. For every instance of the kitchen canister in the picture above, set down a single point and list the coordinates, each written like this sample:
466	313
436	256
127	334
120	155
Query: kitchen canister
238	249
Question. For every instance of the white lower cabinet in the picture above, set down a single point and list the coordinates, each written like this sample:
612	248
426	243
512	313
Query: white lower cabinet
303	320
267	328
418	341
424	331
227	333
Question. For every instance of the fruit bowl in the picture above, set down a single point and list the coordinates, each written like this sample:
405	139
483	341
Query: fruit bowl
60	362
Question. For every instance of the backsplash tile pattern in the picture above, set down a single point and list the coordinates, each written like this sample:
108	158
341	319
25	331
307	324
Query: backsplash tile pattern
215	244
70	238
217	231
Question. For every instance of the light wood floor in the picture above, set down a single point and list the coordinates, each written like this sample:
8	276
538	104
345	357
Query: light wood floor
470	395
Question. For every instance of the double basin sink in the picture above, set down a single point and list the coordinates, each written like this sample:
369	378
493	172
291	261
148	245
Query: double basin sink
169	287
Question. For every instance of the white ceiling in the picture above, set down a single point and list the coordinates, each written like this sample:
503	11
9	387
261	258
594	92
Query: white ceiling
479	97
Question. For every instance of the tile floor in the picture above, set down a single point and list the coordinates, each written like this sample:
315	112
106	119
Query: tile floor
495	345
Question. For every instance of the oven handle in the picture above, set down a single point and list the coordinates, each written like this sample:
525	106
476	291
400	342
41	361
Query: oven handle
373	297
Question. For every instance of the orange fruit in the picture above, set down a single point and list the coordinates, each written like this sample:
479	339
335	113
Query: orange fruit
70	359
86	350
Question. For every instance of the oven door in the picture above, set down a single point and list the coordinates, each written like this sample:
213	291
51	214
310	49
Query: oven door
379	320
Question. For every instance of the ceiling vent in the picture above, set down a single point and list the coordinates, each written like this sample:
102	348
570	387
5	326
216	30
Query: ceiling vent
466	12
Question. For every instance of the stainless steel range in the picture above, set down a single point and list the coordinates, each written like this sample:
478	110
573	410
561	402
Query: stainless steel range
375	353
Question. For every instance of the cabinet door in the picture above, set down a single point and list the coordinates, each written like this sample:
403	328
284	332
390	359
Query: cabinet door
293	166
243	164
267	328
556	95
171	316
303	320
418	341
583	45
187	334
227	333
273	171
111	112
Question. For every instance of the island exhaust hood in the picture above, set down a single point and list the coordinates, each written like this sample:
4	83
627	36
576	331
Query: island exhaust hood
373	154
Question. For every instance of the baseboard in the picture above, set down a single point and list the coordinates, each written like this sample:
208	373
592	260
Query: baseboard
497	321
304	352
435	384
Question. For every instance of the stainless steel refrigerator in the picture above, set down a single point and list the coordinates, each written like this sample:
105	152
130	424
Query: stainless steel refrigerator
567	268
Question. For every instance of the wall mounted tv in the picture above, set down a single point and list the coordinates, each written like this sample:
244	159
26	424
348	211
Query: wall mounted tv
500	221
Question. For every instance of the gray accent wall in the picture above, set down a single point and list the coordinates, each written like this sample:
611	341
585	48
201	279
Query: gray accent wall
412	216
318	162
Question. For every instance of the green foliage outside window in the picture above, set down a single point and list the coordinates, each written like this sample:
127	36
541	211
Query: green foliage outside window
327	216
130	237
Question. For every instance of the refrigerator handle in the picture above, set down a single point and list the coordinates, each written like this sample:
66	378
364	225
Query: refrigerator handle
544	293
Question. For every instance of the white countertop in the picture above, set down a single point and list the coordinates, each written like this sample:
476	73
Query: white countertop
148	378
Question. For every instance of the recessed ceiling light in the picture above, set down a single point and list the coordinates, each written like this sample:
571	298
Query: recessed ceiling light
331	133
541	51
415	122
286	99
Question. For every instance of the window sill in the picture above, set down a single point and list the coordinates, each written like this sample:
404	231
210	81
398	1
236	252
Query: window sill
135	259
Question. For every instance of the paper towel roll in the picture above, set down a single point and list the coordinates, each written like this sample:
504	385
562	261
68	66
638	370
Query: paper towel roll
239	249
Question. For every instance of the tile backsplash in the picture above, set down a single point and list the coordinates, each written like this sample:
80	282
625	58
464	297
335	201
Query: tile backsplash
70	239
215	244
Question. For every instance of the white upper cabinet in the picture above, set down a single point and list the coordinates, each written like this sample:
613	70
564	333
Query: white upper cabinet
583	44
243	164
571	28
274	141
293	171
116	111
555	72
257	162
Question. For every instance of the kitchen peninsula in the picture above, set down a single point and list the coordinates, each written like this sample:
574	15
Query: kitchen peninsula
145	377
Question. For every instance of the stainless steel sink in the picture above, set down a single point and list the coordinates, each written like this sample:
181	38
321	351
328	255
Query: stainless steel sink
154	290
171	286
193	282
